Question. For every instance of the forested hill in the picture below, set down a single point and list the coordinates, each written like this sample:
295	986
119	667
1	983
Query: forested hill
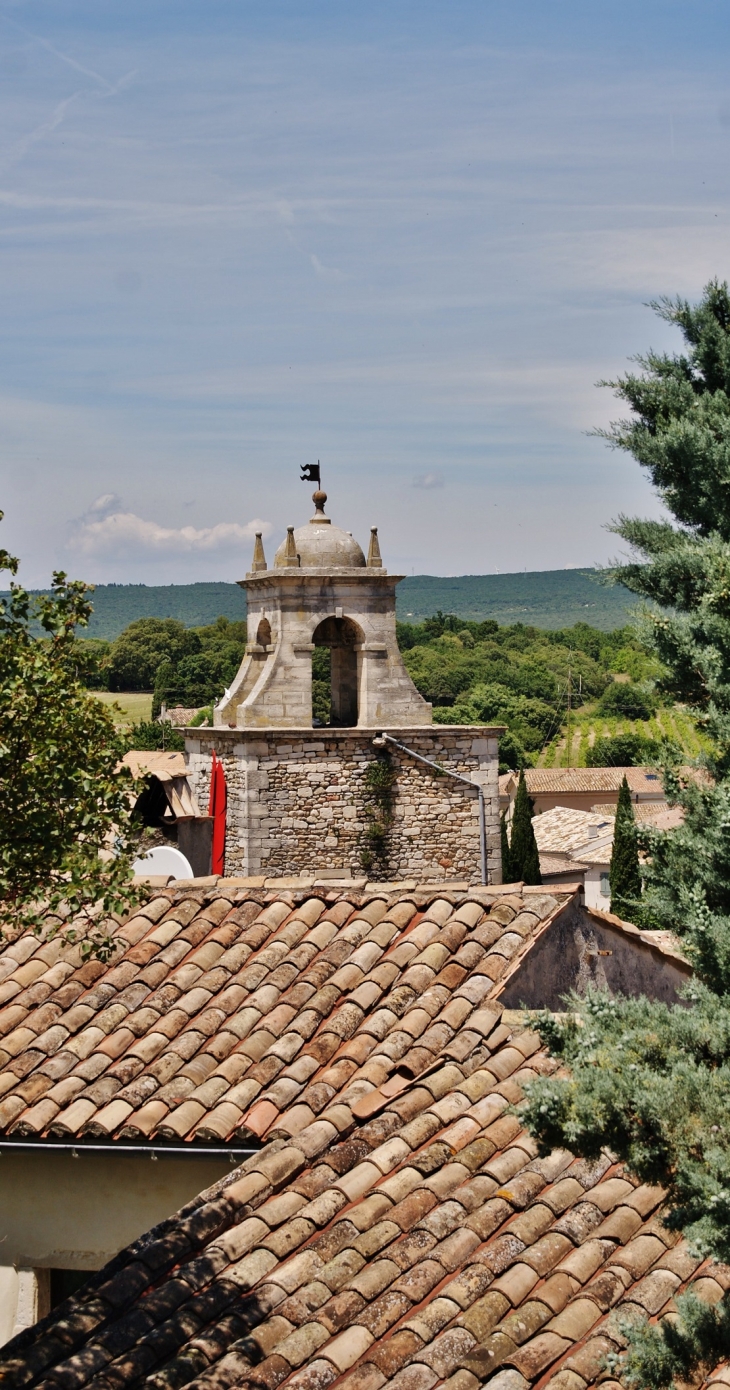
540	598
544	598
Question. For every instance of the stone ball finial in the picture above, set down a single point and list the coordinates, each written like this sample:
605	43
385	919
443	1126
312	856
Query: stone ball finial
290	558
319	498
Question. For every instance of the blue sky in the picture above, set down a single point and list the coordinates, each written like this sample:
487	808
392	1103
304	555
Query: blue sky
404	238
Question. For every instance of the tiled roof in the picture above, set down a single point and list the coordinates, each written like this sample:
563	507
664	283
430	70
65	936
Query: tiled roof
418	1247
551	863
230	1014
563	835
563	829
592	779
600	852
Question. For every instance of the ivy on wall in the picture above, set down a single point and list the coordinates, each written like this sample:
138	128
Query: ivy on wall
380	777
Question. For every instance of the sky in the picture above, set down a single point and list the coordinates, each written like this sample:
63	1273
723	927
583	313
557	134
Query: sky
406	239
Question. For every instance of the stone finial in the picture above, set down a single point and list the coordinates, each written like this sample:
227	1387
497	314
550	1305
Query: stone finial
319	498
291	559
374	556
259	559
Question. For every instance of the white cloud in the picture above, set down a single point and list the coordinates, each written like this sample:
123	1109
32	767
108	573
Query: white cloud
325	272
108	502
428	480
125	533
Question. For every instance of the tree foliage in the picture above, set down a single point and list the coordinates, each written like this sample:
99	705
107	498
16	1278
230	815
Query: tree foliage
624	873
648	1081
524	860
476	673
151	735
62	800
680	433
182	666
631	701
629	750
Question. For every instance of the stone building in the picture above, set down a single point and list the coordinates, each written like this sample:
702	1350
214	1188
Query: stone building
306	798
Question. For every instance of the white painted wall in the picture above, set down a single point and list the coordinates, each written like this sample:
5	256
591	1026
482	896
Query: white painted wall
59	1212
594	897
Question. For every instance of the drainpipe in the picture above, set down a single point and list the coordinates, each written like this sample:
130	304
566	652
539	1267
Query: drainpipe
381	739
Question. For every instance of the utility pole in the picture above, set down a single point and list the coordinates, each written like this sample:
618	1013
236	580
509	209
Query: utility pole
569	705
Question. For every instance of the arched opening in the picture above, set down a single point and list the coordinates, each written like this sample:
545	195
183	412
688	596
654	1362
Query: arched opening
336	638
263	633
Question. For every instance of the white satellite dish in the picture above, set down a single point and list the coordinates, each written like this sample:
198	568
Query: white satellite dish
161	860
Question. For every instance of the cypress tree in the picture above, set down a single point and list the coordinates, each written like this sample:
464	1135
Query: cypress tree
523	858
507	876
624	873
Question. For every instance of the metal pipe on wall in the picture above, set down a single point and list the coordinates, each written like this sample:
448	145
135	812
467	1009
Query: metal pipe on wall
381	739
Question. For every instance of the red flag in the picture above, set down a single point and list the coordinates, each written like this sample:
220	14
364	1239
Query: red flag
217	809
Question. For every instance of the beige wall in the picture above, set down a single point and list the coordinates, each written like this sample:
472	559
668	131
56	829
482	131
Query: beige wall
61	1212
578	949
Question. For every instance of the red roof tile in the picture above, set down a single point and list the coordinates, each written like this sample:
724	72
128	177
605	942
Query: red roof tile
397	1227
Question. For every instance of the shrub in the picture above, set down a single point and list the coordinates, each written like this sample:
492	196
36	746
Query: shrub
623	698
152	737
625	750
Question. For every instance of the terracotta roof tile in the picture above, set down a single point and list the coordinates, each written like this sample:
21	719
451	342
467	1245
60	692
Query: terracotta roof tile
396	1228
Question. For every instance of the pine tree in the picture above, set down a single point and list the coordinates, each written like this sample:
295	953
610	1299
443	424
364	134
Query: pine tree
524	859
648	1081
507	876
624	873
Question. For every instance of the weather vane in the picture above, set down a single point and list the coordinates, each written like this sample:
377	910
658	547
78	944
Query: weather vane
311	473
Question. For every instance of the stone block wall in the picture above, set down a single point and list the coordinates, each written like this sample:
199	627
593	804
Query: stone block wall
298	800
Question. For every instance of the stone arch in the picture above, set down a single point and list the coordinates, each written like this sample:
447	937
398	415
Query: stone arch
342	636
263	633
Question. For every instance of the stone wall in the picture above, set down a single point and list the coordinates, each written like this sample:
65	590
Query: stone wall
298	800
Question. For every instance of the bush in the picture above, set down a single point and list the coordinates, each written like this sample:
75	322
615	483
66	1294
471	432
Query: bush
204	716
625	750
154	737
632	750
512	756
629	701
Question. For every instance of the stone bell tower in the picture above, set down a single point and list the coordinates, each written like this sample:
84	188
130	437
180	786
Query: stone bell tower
321	592
300	796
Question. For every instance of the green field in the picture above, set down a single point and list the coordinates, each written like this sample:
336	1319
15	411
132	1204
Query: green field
130	707
544	598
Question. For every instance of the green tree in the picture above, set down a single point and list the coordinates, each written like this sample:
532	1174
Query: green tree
163	691
149	735
63	805
624	873
627	750
524	859
512	755
138	652
91	661
625	699
652	1082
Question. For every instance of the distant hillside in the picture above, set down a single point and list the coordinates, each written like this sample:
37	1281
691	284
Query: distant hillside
544	598
540	598
195	605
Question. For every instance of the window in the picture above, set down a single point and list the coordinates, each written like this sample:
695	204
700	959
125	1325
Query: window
605	886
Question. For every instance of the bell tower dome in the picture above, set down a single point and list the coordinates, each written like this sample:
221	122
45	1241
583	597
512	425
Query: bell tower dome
321	591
